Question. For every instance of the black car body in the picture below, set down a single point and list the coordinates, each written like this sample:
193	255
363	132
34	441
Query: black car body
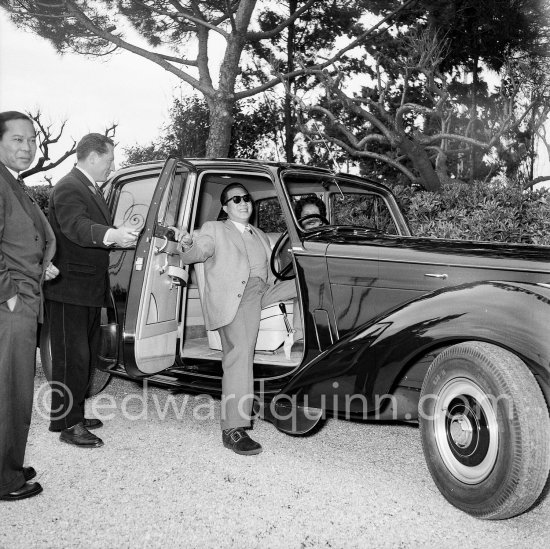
453	334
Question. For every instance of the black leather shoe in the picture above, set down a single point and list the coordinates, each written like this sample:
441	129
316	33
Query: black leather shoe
28	490
80	436
92	423
238	440
88	423
29	473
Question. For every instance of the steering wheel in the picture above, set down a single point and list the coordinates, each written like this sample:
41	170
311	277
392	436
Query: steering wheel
321	218
284	273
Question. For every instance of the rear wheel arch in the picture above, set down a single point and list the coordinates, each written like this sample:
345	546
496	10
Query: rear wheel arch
455	315
416	369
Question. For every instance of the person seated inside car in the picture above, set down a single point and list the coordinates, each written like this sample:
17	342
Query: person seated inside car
311	212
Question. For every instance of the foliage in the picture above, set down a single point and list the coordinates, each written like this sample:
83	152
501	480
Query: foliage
309	38
497	212
487	30
432	105
511	38
419	121
186	134
41	194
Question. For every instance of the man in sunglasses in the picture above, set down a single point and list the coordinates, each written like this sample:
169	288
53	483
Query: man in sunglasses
237	278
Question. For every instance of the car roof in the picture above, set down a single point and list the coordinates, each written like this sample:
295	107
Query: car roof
238	163
205	163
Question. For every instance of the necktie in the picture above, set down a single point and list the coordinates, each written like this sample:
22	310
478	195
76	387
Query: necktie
96	191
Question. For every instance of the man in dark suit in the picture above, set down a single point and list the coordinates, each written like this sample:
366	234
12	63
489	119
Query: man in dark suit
83	228
27	245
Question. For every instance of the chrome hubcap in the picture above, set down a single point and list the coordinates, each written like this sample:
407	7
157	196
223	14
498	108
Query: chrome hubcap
466	430
461	431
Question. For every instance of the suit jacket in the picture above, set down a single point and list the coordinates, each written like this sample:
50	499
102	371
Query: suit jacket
220	246
79	218
25	248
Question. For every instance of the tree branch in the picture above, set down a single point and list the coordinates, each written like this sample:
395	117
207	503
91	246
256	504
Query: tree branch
41	165
184	14
319	66
375	156
255	36
45	140
539	179
152	56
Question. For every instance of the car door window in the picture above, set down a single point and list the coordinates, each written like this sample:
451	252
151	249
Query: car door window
132	205
171	201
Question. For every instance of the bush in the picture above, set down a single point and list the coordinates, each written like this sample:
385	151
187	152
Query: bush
480	211
41	193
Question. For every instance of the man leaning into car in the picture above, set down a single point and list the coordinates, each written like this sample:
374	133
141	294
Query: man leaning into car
84	230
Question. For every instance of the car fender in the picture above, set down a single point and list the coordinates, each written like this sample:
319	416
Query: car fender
363	368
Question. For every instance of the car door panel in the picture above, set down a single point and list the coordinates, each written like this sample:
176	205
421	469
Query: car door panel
353	275
151	327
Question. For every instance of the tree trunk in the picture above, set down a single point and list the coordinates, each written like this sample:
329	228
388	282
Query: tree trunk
221	122
442	170
290	130
222	103
418	156
473	121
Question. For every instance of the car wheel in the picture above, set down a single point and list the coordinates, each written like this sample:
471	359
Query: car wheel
485	430
99	378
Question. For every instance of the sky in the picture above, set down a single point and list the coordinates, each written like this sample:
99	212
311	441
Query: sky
90	93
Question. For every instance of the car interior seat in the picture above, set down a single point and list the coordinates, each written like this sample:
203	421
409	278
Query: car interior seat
273	331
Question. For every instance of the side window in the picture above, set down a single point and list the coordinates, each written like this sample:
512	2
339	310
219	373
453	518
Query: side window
269	216
363	210
132	205
171	201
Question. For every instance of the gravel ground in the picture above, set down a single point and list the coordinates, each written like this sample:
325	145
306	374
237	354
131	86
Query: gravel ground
164	479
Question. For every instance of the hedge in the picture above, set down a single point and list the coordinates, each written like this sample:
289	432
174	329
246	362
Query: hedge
41	193
493	212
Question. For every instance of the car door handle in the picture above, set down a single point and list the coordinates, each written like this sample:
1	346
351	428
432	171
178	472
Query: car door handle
178	276
443	276
168	247
160	249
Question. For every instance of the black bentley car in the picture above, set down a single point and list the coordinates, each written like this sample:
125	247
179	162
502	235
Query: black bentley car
450	334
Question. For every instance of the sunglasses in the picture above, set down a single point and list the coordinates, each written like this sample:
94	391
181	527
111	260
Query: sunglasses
237	199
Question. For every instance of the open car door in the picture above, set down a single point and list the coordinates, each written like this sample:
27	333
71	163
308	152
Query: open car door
158	277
